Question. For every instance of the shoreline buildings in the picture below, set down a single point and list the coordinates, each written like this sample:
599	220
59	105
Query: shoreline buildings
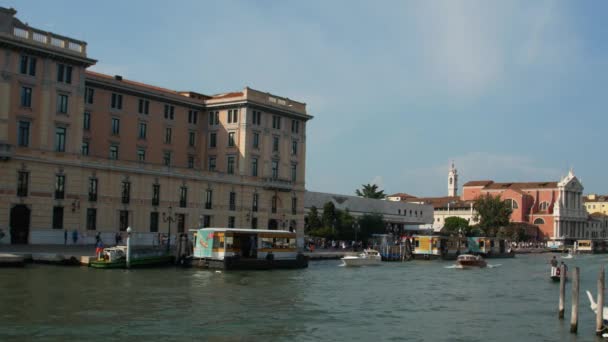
84	151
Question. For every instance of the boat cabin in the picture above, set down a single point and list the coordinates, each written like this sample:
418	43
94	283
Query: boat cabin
428	246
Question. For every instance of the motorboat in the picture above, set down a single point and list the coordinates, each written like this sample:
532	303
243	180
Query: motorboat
555	273
470	261
369	257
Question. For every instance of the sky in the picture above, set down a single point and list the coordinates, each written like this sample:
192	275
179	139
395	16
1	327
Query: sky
508	90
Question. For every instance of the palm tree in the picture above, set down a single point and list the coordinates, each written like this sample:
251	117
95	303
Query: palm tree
370	191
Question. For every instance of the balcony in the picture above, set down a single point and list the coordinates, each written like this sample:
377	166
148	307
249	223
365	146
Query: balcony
277	184
51	40
7	151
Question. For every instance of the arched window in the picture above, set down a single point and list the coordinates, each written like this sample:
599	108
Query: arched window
539	221
544	206
511	203
450	180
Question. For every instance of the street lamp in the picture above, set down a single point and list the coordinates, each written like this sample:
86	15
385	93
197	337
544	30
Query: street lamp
170	219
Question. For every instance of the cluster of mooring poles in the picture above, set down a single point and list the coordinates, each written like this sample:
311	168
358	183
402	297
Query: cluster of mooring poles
599	319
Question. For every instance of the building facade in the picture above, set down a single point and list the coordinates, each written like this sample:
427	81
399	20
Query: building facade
95	153
596	203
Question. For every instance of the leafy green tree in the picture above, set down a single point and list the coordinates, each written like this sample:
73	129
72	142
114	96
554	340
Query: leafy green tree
455	226
370	224
491	213
329	217
370	191
312	220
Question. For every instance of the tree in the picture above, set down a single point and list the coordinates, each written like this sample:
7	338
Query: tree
491	213
370	191
312	220
329	216
455	226
370	224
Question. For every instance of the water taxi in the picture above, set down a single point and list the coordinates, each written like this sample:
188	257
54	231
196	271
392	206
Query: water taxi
237	248
369	257
470	261
116	257
555	273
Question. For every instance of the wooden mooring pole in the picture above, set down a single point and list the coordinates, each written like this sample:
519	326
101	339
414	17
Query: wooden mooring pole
562	290
599	319
575	291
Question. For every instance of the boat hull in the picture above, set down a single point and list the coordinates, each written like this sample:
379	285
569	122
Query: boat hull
135	263
357	262
236	263
471	264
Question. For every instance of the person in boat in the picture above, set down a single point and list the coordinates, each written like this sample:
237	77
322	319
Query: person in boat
554	262
99	249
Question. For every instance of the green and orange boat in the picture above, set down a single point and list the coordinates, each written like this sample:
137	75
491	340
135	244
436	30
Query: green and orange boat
116	257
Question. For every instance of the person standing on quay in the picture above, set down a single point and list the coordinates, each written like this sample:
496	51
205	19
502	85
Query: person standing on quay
74	236
65	237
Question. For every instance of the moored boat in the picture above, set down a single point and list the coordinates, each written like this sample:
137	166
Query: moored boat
555	273
116	257
470	261
369	257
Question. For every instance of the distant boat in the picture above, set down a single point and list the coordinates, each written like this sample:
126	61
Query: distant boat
116	257
555	274
470	261
567	256
593	306
369	257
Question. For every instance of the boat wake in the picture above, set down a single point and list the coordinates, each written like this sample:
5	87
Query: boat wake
452	266
494	266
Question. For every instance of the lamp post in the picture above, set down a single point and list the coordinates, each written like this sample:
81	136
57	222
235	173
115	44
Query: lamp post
170	219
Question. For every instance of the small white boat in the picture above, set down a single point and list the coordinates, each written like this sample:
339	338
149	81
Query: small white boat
470	261
369	257
567	256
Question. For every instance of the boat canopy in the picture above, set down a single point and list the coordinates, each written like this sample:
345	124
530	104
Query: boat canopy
246	231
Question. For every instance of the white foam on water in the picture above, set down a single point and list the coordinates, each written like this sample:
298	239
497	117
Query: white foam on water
494	266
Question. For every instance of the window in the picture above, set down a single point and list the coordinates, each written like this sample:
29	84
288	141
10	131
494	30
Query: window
143	130
155	194
233	115
26	97
57	217
92	189
276	122
230	167
115	126
60	139
275	144
154	222
126	192
295	126
275	169
191	139
294	205
86	122
143	107
167	158
212	140
64	73
192	117
59	187
254	204
208	199
168	133
539	221
544	206
294	170
181	222
85	148
256	140
22	183
23	136
62	104
232	201
91	218
141	155
183	197
511	203
294	147
116	101
89	93
214	118
123	221
254	167
230	221
206	221
257	118
191	162
169	112
28	65
274	205
231	139
114	152
254	223
212	163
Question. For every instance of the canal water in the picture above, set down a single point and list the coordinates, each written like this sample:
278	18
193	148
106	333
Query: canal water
411	301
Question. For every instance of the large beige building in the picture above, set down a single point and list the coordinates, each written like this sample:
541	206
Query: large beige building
95	153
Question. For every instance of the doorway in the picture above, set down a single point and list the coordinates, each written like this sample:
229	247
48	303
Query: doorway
20	224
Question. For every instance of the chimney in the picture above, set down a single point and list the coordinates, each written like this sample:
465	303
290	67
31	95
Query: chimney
118	77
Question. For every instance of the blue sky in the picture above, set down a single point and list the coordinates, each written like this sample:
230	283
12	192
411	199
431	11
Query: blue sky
509	90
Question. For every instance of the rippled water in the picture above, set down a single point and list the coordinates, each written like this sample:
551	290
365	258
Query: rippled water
413	301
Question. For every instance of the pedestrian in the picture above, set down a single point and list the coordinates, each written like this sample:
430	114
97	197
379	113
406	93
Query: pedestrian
98	248
74	236
65	236
117	238
97	238
554	262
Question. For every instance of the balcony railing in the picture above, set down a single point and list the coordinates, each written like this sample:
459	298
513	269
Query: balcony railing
51	39
278	184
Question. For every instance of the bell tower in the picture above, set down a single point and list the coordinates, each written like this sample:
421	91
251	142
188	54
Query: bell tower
452	181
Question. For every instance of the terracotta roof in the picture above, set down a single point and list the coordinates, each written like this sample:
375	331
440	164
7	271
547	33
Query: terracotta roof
442	202
523	185
402	195
135	83
227	95
478	183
